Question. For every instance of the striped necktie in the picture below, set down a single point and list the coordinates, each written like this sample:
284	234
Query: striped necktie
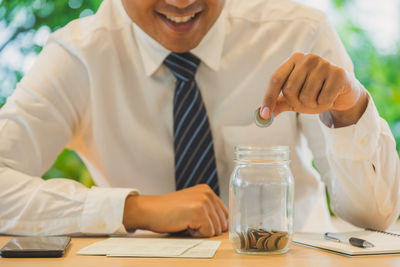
193	143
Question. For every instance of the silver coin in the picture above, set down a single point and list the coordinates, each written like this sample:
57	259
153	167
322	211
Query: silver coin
260	122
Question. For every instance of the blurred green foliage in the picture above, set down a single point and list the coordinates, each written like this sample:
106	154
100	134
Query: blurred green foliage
378	71
68	164
23	19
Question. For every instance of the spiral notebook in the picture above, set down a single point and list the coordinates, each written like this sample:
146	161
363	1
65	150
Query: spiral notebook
385	242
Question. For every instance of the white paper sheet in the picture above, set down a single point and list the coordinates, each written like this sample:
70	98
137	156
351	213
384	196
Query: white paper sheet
152	247
206	249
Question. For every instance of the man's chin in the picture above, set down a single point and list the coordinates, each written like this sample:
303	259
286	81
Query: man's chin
181	50
180	46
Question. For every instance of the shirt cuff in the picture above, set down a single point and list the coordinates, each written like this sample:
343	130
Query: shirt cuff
103	210
355	142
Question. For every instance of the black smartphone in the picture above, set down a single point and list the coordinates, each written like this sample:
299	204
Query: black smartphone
35	247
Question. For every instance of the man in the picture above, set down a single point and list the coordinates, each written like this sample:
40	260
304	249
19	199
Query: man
109	87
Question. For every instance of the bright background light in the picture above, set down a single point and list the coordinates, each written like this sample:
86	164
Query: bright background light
381	19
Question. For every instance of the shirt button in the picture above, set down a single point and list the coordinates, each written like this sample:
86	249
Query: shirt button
364	141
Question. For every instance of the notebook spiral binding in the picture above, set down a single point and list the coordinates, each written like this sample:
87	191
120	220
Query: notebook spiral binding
382	232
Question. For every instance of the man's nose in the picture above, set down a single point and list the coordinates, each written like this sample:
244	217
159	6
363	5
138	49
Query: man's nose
180	3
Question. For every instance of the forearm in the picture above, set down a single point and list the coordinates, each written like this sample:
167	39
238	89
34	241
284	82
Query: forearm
360	166
364	171
32	206
365	192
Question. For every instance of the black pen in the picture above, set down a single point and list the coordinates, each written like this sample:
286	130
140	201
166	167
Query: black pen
354	241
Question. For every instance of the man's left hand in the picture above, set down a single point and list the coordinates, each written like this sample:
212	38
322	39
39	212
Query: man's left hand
307	83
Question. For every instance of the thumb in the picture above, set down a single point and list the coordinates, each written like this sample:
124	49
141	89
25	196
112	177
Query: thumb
278	79
281	105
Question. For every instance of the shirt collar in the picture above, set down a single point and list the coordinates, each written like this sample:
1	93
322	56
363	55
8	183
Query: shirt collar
209	50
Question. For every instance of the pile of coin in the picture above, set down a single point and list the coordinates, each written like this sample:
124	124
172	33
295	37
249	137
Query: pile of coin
261	240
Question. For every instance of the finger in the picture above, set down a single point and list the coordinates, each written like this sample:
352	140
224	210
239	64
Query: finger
213	213
276	82
222	213
282	105
194	232
208	200
223	207
206	226
329	92
312	87
294	85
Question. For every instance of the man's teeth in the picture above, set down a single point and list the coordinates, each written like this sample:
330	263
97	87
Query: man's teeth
180	19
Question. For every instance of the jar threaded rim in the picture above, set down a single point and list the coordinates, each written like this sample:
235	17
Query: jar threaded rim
262	153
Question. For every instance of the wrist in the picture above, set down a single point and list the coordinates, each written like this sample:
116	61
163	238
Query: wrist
343	118
134	213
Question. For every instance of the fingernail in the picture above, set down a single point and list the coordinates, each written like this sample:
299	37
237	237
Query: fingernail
265	113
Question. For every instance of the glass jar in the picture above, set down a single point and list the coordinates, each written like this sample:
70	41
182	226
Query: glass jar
261	200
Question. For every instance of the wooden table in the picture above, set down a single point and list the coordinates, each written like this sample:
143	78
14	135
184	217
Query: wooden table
297	256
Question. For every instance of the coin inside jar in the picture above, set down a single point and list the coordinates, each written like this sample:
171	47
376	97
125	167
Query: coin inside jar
261	122
261	240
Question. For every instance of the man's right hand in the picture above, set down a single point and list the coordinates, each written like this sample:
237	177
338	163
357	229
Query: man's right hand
196	209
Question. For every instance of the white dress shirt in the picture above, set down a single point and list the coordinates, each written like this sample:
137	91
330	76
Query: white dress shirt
99	87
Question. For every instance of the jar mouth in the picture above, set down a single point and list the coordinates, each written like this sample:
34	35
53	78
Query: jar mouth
261	148
262	153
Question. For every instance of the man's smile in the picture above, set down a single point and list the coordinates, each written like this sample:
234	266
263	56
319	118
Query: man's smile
180	23
180	19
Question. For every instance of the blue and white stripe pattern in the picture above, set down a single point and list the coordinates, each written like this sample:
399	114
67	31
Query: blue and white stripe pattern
193	143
